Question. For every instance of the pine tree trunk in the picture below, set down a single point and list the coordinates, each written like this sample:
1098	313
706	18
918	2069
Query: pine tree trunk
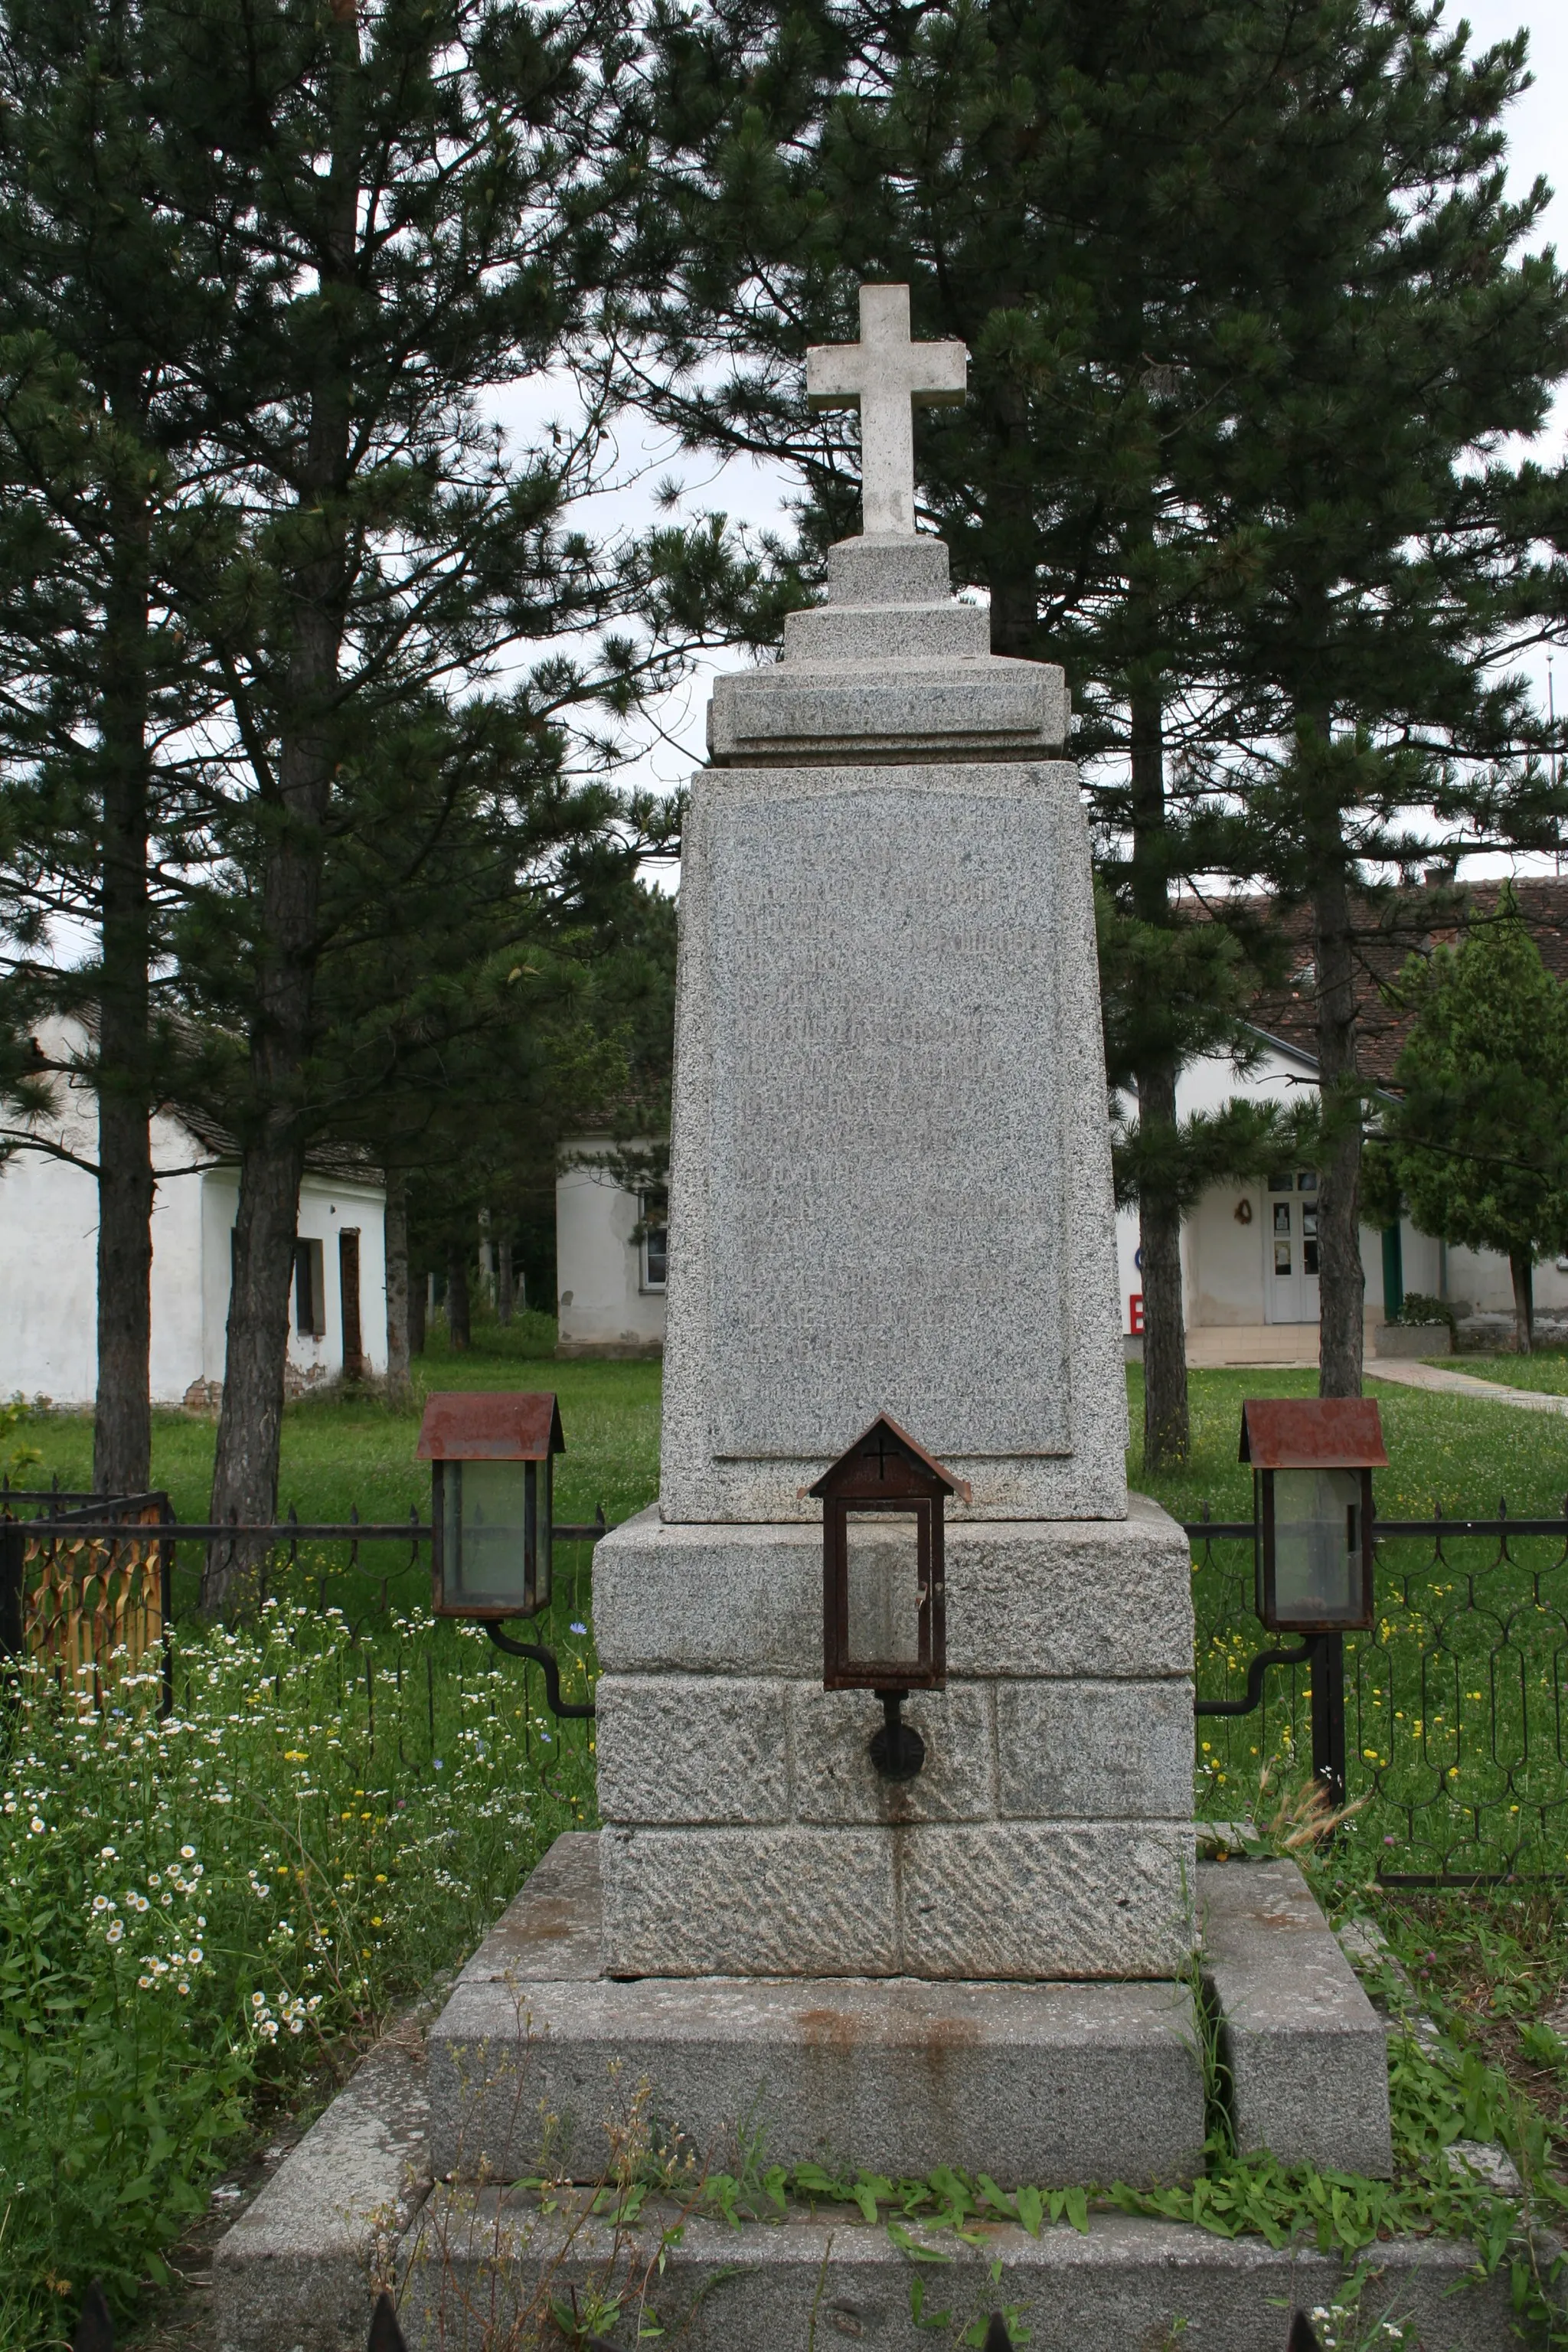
1167	1435
122	1421
251	1424
458	1317
1522	1269
399	1335
418	1293
504	1280
1341	1285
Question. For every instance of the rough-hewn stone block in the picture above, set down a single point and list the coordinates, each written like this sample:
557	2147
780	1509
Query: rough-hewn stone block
937	1899
751	1902
1094	1751
836	1781
1047	1900
1104	1599
691	1749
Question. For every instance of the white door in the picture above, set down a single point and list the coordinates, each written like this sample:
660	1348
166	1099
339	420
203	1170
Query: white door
1290	1248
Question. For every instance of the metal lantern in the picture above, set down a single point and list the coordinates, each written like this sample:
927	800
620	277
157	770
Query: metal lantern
1312	1460
884	1619
492	1501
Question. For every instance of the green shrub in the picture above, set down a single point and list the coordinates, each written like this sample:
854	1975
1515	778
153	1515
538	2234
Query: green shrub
1419	1310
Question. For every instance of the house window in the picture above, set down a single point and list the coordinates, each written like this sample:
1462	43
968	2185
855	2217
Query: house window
310	1290
652	1217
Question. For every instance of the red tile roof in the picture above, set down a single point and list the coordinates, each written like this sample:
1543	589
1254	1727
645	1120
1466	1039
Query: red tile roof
1387	931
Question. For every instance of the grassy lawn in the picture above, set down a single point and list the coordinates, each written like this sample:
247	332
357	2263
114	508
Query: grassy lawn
204	1916
1546	1369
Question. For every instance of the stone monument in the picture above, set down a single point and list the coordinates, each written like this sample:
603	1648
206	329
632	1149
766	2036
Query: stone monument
890	1191
890	1195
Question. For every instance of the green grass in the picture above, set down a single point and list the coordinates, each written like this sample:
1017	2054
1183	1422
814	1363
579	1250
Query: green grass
1456	1453
1546	1369
347	1452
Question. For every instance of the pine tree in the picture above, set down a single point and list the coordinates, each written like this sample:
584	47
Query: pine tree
1478	1141
99	442
1384	556
1242	297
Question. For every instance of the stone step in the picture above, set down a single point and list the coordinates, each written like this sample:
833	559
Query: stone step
1128	2284
539	2061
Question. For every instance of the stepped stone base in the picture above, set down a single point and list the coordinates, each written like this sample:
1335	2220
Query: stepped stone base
540	2064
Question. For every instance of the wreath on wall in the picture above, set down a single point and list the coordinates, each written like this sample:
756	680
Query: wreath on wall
1244	1213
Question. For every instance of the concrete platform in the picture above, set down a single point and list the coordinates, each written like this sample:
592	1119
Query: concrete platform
539	2060
480	2268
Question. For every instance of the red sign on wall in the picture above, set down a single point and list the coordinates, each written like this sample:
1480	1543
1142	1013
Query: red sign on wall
1135	1314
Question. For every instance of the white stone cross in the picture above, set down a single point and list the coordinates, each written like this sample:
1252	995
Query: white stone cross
886	376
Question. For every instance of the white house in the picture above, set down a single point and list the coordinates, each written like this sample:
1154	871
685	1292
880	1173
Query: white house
48	1260
1249	1252
610	1255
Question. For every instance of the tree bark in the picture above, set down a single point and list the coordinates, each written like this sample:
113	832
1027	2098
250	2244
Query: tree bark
122	1420
399	1335
503	1279
1522	1269
1167	1434
457	1316
419	1292
296	799
1341	1285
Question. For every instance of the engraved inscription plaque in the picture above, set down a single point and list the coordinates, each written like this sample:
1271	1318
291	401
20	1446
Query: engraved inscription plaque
885	1168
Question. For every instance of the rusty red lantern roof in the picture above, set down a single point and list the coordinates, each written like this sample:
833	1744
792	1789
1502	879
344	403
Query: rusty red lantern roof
918	1460
1313	1434
488	1425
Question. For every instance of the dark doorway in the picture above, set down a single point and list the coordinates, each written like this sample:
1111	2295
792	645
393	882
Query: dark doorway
347	1276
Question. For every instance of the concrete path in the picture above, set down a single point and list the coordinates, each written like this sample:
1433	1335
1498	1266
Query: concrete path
1439	1379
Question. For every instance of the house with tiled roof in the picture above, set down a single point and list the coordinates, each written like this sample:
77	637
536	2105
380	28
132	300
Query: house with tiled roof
1249	1252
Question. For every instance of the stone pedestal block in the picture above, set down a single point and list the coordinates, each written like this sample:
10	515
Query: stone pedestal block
748	1832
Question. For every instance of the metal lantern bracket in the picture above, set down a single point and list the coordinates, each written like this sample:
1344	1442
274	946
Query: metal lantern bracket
564	1710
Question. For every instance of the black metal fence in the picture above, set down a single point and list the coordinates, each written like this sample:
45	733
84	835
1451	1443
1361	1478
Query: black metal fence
1454	1704
1456	1744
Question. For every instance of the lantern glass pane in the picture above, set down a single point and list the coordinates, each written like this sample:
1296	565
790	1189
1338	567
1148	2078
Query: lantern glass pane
484	1539
883	1565
1317	1544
